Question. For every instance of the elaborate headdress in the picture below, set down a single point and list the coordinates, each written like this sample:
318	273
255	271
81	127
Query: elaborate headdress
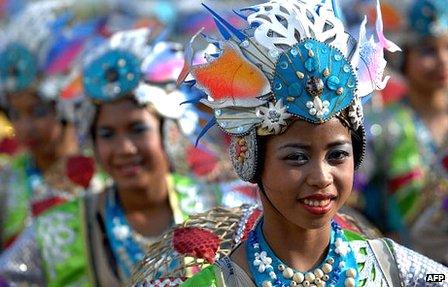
128	65
293	60
42	45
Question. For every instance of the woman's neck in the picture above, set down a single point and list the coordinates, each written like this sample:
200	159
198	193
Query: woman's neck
432	108
301	249
148	210
45	160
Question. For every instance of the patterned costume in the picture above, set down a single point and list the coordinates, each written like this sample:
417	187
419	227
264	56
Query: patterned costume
293	60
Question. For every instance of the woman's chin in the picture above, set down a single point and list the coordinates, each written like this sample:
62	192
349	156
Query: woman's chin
131	184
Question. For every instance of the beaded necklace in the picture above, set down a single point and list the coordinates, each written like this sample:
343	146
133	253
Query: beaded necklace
127	251
338	268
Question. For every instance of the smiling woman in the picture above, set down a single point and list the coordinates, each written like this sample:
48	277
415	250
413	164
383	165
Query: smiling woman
298	133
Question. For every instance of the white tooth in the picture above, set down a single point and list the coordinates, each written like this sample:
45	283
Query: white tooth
306	201
316	203
323	203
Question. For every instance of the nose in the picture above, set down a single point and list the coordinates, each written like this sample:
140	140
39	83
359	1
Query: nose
319	175
125	146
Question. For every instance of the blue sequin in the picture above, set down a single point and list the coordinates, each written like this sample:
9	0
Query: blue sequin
284	65
311	65
333	83
294	51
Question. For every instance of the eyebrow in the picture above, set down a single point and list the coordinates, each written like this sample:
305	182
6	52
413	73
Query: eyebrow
307	146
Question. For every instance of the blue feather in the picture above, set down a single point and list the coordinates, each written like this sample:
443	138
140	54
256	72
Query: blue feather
194	100
226	25
244	17
208	126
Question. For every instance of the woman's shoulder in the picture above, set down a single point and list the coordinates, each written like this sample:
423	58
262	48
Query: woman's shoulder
414	267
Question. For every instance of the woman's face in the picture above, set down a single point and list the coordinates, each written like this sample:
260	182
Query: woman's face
308	172
35	122
427	64
129	146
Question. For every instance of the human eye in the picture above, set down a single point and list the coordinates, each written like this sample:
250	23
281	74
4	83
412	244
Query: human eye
338	155
140	128
104	133
40	111
13	115
296	158
426	51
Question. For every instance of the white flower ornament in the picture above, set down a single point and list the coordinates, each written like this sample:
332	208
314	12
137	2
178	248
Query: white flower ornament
262	261
342	247
274	117
121	231
318	108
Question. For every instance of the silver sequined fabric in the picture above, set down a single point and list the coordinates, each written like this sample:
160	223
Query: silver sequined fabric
21	263
414	267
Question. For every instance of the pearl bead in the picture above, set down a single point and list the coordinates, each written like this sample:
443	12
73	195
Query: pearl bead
319	273
281	267
310	277
317	281
293	284
327	268
321	284
351	273
330	260
325	277
267	284
298	277
288	273
306	283
349	282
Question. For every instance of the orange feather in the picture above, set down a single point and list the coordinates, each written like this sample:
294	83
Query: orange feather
231	76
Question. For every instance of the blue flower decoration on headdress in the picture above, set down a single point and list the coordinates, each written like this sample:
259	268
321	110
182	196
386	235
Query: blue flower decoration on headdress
429	17
18	67
112	75
314	81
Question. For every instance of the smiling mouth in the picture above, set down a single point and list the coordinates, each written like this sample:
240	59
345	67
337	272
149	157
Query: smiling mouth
130	168
318	204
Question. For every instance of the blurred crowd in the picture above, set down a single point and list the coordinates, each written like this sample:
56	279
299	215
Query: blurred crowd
105	149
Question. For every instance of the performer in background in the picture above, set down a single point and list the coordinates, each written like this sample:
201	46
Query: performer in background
405	137
35	62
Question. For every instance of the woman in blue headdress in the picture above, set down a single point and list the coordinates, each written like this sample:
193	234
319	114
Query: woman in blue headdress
292	101
35	61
